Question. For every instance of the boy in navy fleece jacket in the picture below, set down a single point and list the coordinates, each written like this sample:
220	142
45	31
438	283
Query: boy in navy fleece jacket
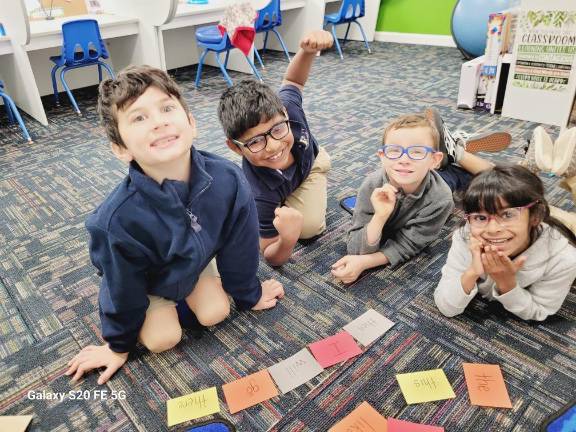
182	226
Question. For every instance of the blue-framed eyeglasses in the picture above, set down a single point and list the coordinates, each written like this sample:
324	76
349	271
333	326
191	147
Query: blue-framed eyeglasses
417	152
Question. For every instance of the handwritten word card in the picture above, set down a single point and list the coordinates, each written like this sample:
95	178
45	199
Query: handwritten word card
486	385
192	406
425	386
363	419
295	370
395	425
249	391
368	327
15	423
335	349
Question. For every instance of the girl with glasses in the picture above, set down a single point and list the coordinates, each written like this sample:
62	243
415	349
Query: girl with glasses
510	249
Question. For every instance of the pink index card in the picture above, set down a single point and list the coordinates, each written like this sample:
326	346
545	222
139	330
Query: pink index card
395	425
335	349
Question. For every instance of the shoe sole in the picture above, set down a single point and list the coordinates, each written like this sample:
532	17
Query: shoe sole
491	142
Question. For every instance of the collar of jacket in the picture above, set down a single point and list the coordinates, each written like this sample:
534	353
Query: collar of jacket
165	194
271	177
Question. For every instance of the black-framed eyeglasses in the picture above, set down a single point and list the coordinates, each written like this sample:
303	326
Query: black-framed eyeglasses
259	142
504	217
417	152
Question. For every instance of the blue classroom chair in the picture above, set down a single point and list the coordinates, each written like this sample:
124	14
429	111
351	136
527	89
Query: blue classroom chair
12	112
82	46
268	19
349	12
209	38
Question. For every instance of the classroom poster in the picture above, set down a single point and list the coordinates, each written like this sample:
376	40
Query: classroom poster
542	80
546	49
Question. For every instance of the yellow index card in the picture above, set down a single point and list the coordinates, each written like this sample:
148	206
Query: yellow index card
425	386
192	406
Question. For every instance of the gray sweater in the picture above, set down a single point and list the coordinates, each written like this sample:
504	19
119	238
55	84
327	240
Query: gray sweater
542	283
414	223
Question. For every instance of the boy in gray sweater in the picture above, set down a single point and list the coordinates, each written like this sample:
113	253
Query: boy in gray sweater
401	208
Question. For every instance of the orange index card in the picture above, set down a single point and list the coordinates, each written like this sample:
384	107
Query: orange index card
486	385
395	425
363	419
192	406
335	349
425	386
248	391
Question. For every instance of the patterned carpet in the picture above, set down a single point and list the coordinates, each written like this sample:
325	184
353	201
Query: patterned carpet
48	289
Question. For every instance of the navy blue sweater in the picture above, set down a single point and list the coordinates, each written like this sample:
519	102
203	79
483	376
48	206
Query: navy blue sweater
150	238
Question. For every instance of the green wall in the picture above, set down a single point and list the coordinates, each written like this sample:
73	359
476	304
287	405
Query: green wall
415	16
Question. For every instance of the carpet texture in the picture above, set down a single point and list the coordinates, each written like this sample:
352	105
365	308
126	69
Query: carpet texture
48	289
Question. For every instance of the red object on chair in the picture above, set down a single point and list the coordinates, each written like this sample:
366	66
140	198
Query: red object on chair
242	37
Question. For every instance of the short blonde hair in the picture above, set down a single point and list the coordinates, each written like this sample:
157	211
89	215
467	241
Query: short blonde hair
413	121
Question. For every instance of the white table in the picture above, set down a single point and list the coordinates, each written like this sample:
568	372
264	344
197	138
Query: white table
119	33
128	29
177	40
5	45
191	15
48	33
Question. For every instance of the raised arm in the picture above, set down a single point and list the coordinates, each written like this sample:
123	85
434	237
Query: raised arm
299	68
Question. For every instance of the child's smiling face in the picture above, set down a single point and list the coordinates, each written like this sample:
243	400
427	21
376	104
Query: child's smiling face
404	172
509	229
155	129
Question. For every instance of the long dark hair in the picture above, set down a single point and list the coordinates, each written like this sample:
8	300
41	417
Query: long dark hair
518	187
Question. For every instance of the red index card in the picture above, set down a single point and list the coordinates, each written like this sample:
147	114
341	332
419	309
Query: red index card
335	349
395	425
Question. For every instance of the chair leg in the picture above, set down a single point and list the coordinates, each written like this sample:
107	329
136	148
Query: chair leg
265	42
282	43
18	117
199	71
336	42
70	95
223	69
346	35
8	109
55	85
253	68
364	37
108	69
226	59
99	72
257	55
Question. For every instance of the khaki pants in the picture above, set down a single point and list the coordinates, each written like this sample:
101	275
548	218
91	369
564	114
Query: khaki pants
155	301
567	218
310	198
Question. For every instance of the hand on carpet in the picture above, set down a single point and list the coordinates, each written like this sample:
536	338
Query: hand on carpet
272	290
92	357
348	268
